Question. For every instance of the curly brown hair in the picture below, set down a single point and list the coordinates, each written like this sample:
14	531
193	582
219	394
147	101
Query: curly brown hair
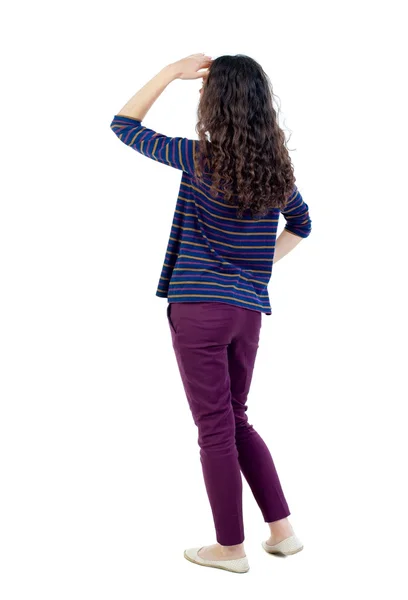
246	155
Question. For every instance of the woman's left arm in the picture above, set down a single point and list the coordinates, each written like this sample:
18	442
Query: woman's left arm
142	101
190	67
176	152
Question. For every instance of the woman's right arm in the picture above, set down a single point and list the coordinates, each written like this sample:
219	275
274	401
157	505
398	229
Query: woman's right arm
284	244
298	225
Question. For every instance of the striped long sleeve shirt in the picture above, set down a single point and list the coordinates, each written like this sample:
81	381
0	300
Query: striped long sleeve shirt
211	255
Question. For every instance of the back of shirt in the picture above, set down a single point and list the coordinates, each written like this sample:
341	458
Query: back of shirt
212	255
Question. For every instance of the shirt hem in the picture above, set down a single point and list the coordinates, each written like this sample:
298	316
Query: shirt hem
265	310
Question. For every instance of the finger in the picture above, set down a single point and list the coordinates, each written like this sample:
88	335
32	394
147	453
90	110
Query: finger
205	63
203	57
201	73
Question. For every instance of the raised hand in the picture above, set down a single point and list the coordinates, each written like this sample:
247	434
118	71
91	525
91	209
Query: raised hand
193	66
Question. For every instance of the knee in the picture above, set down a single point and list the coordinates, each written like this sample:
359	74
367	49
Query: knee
219	442
243	429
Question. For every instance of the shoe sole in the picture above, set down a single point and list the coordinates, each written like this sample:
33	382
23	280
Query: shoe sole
283	553
213	566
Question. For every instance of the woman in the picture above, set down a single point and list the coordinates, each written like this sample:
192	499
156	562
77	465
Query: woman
236	180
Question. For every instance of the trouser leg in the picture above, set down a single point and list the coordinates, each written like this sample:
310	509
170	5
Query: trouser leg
200	336
254	457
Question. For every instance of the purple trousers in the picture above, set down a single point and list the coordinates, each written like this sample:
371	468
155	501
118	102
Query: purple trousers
215	344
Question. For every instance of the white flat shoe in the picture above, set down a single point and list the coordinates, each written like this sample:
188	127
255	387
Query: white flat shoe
235	565
290	545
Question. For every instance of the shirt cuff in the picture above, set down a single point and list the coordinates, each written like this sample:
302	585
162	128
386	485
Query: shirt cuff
131	119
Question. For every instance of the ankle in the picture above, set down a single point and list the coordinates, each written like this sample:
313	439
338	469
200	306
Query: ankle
229	550
281	528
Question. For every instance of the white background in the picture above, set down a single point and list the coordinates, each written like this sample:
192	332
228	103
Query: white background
102	487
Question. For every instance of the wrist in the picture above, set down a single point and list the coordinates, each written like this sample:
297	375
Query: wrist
171	71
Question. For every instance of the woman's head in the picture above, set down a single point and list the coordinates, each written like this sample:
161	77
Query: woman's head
246	153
